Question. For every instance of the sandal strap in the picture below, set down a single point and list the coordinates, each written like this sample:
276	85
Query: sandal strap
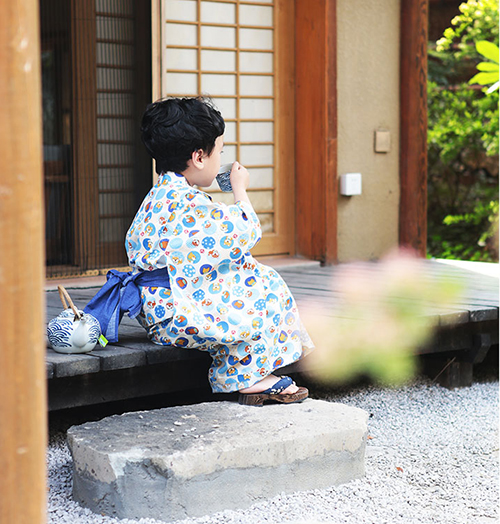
279	386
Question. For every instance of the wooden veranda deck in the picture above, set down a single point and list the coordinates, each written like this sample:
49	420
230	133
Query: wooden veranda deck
135	367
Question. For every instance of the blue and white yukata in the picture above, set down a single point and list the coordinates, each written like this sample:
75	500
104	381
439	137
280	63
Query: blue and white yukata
219	299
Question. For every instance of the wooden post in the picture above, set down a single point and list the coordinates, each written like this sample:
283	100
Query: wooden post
316	128
84	118
413	134
23	426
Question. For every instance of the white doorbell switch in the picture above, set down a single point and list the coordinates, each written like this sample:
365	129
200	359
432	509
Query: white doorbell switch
350	184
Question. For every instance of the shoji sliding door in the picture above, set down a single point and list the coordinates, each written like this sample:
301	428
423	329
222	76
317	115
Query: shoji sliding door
240	54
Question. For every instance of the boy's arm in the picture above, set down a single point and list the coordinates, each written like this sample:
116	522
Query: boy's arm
240	179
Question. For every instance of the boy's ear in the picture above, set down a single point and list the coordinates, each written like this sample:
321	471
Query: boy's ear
197	159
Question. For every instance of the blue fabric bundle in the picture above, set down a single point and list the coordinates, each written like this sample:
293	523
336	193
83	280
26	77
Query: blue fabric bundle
121	294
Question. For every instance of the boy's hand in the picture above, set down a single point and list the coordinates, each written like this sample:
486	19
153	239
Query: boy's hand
240	178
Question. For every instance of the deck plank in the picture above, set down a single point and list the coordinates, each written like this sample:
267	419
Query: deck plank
116	357
65	365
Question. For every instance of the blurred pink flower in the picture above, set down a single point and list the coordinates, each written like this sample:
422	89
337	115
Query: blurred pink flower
382	313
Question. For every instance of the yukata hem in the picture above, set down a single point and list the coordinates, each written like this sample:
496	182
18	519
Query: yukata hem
217	387
234	388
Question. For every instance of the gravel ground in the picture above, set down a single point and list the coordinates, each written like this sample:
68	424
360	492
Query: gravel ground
432	457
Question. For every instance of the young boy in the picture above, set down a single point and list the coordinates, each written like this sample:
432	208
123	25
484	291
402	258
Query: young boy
217	298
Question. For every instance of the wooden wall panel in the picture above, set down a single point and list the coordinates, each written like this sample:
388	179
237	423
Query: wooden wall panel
316	129
413	138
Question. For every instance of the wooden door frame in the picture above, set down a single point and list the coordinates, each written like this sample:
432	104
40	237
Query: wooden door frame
413	125
316	129
282	240
84	130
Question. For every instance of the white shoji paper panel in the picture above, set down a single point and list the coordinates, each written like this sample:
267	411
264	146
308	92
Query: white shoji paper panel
256	38
185	10
261	177
257	155
229	154
212	36
263	200
218	13
182	83
255	62
181	59
218	60
227	107
230	133
225	198
256	15
185	34
266	222
220	84
256	85
255	108
256	131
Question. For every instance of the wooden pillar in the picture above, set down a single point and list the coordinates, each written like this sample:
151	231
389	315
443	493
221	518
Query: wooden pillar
413	134
23	409
316	128
84	119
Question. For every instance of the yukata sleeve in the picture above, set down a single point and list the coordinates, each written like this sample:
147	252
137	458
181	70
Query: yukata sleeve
207	238
247	222
213	233
251	219
235	228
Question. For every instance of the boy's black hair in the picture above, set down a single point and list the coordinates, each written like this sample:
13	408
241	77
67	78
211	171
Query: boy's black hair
173	128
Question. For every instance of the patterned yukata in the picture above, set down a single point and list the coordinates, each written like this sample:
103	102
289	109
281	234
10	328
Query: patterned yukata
219	299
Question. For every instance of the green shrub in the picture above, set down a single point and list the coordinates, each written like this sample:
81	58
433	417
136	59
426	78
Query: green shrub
462	141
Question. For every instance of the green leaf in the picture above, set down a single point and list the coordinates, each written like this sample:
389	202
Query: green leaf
487	49
487	66
484	78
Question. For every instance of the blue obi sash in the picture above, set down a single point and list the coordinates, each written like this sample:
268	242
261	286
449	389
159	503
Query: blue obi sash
121	294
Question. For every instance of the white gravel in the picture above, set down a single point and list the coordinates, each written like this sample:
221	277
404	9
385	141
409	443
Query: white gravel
432	457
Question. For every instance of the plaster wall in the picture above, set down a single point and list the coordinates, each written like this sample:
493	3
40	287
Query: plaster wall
368	99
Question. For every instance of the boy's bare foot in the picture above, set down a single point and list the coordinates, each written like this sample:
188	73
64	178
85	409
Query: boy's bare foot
267	383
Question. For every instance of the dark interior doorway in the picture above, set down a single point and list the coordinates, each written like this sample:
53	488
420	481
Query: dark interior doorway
96	82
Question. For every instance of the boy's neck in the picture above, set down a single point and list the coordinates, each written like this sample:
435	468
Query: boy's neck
188	175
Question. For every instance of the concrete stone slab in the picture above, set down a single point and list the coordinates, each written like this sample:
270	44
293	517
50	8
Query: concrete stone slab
190	461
